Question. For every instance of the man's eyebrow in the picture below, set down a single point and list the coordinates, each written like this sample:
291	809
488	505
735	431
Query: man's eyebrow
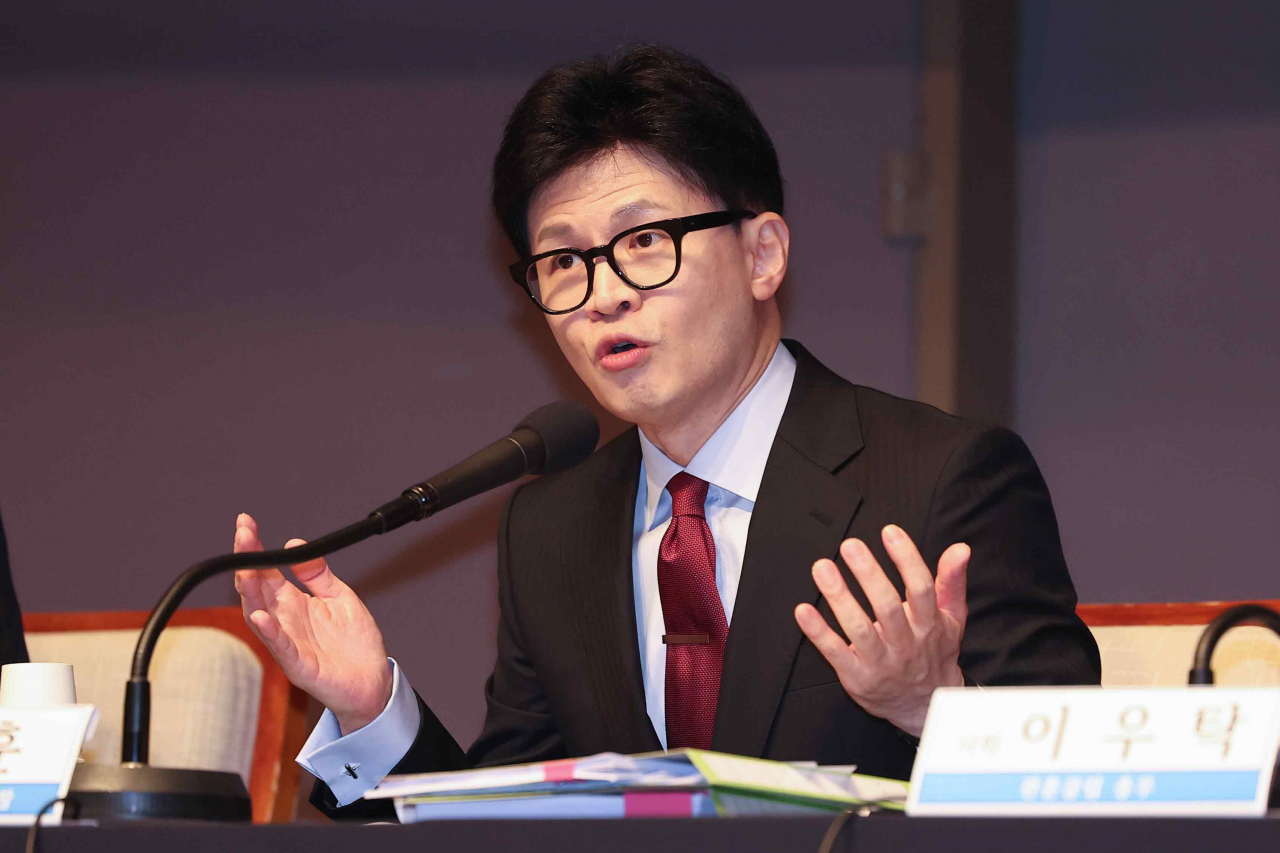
565	231
640	205
560	230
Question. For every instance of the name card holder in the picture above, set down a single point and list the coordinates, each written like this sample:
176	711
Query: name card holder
1198	750
38	752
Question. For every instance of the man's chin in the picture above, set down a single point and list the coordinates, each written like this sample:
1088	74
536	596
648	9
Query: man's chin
627	405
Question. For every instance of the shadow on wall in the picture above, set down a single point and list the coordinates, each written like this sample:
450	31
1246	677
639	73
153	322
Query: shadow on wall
1147	62
404	38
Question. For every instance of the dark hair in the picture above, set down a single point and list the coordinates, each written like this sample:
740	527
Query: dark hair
664	103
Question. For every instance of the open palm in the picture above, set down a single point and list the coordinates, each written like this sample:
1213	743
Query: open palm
324	639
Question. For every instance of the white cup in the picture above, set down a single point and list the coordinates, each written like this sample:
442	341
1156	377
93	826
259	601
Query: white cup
37	685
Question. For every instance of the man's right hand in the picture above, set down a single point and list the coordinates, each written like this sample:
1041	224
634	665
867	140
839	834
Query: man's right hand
327	642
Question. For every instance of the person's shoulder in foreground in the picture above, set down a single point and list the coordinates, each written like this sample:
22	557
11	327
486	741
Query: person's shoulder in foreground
13	646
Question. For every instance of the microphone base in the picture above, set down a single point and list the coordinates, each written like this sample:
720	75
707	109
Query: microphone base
142	792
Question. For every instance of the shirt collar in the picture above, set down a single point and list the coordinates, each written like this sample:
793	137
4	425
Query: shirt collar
733	458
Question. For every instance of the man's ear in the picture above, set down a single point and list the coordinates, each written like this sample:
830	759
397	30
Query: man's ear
768	243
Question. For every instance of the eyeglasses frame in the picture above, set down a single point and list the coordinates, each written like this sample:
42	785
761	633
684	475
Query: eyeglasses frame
677	228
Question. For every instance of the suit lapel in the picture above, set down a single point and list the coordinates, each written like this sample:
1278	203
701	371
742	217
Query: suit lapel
801	513
597	577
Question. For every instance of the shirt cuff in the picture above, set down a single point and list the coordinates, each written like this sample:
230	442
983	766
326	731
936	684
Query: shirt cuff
354	764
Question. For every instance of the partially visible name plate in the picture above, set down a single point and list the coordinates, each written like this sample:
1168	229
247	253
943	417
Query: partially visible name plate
1199	750
38	751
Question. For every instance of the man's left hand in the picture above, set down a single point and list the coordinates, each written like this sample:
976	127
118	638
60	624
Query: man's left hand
891	666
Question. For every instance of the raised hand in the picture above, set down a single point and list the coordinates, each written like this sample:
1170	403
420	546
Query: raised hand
891	666
326	642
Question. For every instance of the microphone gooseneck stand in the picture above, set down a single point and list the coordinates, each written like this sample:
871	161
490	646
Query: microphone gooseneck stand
550	439
134	789
1222	623
1201	673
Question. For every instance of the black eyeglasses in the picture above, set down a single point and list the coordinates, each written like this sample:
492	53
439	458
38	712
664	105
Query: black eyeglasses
645	257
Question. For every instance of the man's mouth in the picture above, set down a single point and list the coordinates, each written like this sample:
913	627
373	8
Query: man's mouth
619	353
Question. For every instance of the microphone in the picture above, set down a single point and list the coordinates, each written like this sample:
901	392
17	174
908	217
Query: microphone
551	439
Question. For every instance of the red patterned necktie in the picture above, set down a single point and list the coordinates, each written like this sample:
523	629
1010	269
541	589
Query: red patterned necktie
693	616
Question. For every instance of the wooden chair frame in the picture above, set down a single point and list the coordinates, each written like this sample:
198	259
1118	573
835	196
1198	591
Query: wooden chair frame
273	779
1176	613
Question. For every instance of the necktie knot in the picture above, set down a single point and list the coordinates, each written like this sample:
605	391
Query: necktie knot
688	495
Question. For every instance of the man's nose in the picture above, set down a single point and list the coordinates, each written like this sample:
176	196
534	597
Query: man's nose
609	293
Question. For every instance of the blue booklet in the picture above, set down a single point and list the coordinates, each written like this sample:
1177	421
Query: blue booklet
602	805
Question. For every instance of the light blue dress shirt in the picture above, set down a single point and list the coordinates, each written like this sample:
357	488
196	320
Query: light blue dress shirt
732	461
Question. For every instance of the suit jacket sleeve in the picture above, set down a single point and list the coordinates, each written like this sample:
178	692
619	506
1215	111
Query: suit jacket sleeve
1022	626
13	646
518	728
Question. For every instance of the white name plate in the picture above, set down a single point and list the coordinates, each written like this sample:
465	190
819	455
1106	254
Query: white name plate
1198	750
38	752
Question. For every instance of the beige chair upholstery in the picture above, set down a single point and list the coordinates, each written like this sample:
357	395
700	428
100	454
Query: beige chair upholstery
1142	655
1153	644
205	691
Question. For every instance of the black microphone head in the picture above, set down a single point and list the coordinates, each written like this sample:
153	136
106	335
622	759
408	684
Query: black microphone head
569	433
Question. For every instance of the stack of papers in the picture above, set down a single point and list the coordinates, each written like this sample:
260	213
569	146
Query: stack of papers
680	783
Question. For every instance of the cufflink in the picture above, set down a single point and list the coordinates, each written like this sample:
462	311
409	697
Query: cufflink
351	770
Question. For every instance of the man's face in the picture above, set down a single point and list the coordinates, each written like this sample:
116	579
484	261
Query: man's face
694	338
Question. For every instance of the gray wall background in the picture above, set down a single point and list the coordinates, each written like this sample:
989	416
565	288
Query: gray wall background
1148	313
246	265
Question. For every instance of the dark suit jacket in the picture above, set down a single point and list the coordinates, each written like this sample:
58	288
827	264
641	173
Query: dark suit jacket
846	461
13	646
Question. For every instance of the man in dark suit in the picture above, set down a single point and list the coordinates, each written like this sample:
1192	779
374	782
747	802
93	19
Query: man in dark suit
865	549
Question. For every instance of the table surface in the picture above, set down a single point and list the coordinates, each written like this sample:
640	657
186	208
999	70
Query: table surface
875	834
